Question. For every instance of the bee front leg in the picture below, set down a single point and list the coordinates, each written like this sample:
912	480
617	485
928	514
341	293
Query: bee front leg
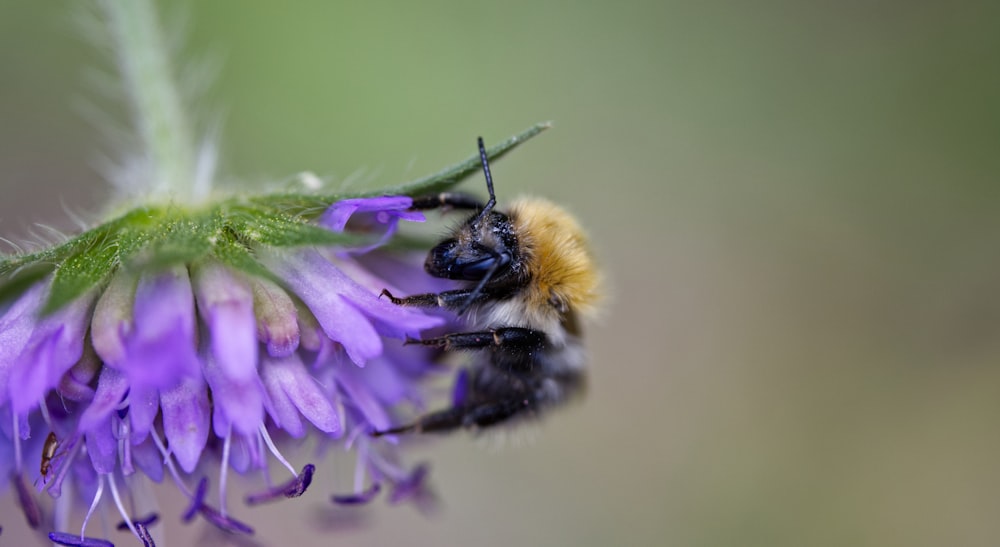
451	300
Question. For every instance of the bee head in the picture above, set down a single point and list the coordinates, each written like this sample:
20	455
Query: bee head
481	249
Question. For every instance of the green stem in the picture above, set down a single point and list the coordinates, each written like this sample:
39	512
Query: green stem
156	103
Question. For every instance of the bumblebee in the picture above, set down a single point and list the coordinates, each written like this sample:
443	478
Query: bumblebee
529	280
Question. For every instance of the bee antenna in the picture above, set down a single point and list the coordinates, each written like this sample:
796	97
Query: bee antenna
489	181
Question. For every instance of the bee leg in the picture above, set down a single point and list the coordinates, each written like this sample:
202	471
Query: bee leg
451	300
446	200
444	420
496	396
482	414
513	340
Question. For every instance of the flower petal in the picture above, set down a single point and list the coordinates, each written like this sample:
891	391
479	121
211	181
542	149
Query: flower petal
403	271
385	382
378	215
75	384
102	447
352	380
287	380
246	453
161	347
386	209
237	402
147	458
56	344
111	388
186	411
277	317
319	284
143	405
16	325
226	304
112	319
343	307
389	319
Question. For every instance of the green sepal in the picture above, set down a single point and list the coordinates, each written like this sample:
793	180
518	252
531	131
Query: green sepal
79	273
155	238
23	278
58	253
282	230
242	259
312	205
168	242
450	176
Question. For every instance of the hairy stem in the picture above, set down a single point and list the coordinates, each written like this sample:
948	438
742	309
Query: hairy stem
157	107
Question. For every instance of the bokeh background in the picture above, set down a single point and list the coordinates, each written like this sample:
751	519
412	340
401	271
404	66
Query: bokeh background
797	204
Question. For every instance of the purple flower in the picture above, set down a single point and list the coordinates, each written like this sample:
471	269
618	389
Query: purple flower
179	370
380	216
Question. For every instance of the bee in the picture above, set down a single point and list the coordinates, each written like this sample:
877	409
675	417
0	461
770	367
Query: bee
530	279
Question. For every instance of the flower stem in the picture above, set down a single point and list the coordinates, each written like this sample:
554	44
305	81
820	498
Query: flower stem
156	102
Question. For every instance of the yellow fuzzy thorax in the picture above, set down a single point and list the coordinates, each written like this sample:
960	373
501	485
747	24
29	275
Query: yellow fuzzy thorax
557	255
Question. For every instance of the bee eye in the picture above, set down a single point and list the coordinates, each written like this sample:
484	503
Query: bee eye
471	263
478	269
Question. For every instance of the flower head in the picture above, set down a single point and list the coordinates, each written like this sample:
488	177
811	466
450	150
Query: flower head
189	337
199	356
187	355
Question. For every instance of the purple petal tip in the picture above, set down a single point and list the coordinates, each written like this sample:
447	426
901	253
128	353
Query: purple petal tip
291	489
74	540
360	498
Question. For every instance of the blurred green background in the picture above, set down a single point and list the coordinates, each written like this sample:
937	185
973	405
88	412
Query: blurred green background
796	203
